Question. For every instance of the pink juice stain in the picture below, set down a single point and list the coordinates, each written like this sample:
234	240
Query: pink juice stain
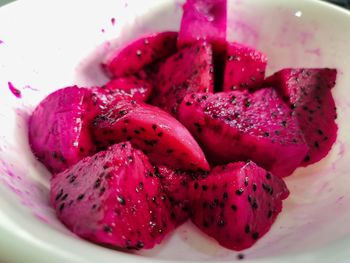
14	90
113	21
1	42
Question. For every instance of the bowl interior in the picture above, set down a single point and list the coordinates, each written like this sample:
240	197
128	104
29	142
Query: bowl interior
43	51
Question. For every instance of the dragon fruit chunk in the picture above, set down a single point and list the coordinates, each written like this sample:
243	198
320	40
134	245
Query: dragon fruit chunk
131	87
176	184
206	20
239	126
189	70
203	20
59	127
141	53
113	198
158	134
309	93
245	67
237	203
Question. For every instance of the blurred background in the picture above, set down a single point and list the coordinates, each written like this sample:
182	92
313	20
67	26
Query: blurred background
344	3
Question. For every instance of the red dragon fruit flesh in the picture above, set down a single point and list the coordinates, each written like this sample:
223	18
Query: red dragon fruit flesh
308	92
189	70
165	140
244	68
237	203
239	125
176	185
140	53
113	198
132	87
58	128
203	20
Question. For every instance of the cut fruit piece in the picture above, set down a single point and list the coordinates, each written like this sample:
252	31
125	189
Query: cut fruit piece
238	126
237	203
309	93
113	198
59	127
123	88
176	184
141	53
204	20
189	70
158	134
245	68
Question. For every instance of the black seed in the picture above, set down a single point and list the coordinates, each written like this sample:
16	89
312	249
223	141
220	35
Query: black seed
204	187
284	123
221	223
140	244
255	235
320	132
254	187
160	134
195	185
277	132
169	151
247	229
316	144
81	149
293	106
266	134
188	103
61	207
108	229
225	195
97	183
93	206
254	204
64	197
206	223
239	191
72	179
249	198
307	158
130	158
137	132
121	200
60	193
234	207
102	190
240	256
269	214
268	176
246	180
122	112
80	197
154	127
246	103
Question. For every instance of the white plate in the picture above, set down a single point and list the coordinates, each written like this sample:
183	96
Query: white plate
51	44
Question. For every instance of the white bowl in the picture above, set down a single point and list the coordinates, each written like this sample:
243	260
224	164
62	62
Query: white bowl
51	44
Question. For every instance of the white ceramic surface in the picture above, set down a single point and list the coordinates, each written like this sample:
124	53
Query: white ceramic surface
46	45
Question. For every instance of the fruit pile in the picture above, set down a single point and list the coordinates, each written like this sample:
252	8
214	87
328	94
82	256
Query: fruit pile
187	128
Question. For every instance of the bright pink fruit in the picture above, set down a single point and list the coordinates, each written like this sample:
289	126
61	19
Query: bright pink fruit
141	53
237	203
126	87
175	184
158	134
203	20
309	94
59	127
244	69
113	198
238	125
189	70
